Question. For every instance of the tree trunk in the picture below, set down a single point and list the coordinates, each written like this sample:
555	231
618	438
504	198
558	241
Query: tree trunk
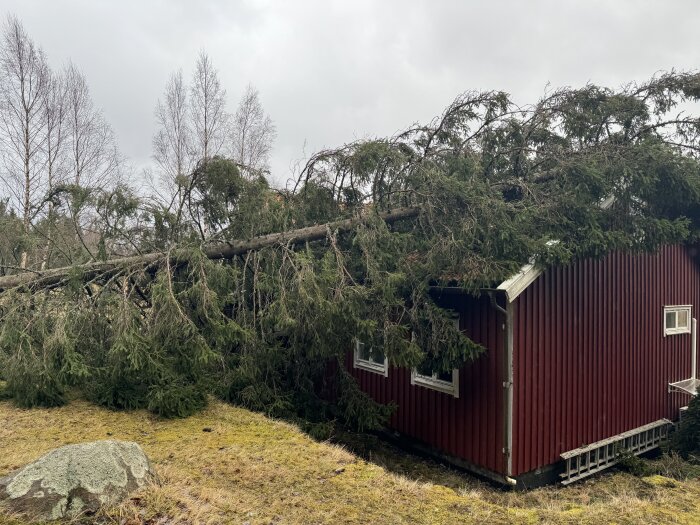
27	189
226	250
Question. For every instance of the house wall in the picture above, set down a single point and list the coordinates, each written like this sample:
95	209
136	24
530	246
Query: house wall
590	357
469	427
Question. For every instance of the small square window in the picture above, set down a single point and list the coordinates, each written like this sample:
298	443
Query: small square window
446	382
371	360
676	320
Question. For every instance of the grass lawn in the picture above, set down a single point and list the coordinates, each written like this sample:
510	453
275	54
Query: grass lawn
251	469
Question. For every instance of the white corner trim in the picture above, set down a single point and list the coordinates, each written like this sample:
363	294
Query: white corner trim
369	366
432	382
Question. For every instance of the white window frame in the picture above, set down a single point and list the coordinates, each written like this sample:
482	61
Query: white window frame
368	365
432	381
678	329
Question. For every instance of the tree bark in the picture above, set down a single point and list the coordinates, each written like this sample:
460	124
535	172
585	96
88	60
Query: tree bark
227	250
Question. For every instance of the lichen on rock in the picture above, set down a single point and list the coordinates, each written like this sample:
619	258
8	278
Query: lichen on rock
76	478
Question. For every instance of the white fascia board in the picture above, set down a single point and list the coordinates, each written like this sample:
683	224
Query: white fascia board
527	275
517	284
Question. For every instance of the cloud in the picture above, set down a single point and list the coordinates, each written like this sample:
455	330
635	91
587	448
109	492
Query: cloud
330	72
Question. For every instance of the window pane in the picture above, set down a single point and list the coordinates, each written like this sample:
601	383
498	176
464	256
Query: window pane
682	319
363	351
377	357
445	376
670	320
424	370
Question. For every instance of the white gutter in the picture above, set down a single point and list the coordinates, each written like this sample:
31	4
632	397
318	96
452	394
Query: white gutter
694	350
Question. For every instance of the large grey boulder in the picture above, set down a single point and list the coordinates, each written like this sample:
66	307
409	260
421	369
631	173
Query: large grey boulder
75	479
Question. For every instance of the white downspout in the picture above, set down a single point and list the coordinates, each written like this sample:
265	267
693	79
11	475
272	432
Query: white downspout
508	377
694	350
509	390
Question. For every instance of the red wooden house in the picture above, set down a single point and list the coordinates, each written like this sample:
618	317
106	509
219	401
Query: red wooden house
582	361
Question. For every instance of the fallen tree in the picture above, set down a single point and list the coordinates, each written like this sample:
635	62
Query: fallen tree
486	185
33	281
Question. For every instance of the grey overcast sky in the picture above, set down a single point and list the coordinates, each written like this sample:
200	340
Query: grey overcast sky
330	72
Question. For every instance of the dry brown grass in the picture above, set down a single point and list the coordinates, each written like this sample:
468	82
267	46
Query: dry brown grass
256	470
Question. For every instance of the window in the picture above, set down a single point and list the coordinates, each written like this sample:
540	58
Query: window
372	361
446	382
676	320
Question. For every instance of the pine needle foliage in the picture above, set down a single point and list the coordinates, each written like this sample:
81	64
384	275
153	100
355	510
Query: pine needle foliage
594	169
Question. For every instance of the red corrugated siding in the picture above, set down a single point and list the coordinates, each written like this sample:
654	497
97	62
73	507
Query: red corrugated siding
590	357
470	427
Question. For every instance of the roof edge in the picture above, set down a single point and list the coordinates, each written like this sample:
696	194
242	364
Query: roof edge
527	275
529	272
519	282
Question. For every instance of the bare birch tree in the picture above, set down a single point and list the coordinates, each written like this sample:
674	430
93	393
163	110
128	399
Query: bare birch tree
253	134
208	109
54	107
172	143
23	86
94	156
